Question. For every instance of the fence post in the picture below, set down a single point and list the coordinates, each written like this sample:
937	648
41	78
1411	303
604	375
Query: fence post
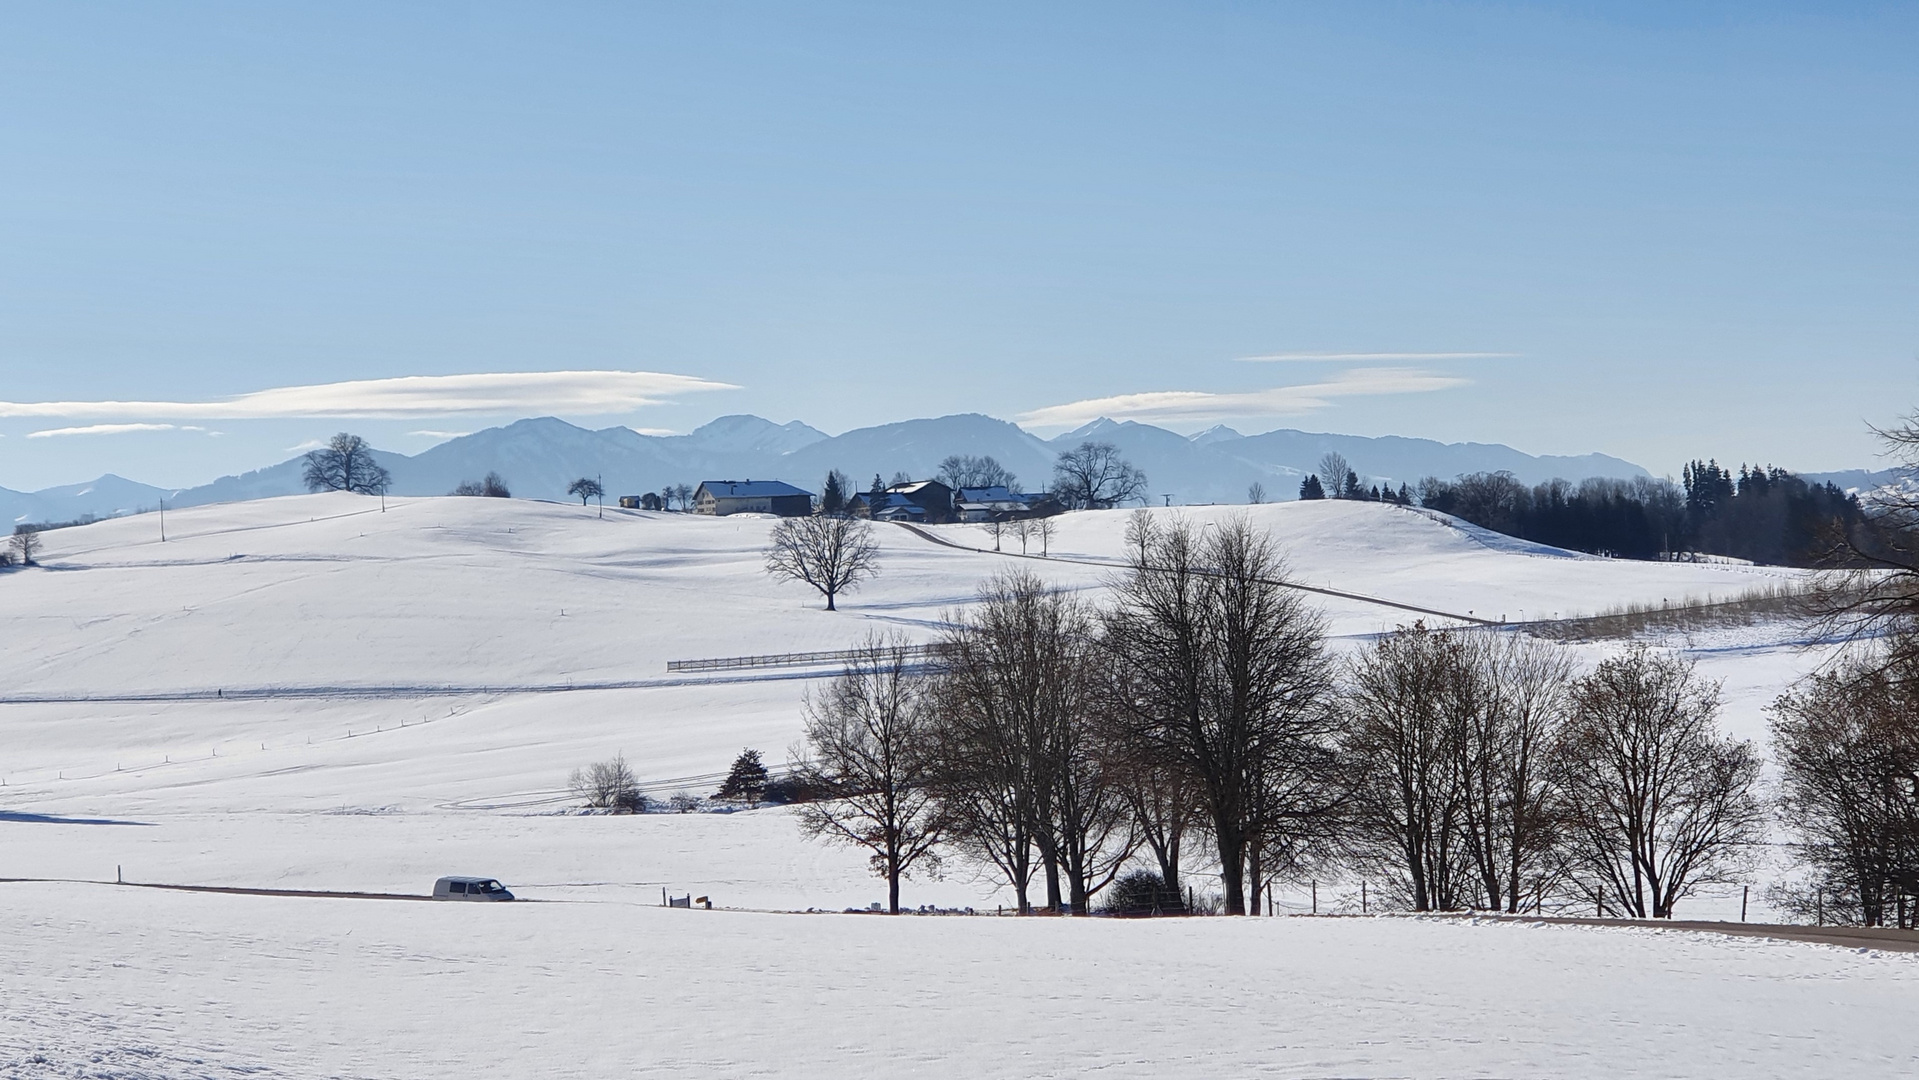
1315	896
1743	890
1362	896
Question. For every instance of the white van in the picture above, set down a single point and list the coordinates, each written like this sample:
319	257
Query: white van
469	888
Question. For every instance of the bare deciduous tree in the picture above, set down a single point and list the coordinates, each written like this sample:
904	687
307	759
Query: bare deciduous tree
965	471
1654	800
1332	473
608	785
1165	802
1847	742
1218	671
1024	766
491	487
25	544
1522	694
1043	529
1402	741
832	554
996	528
1092	476
586	488
1256	493
869	748
346	464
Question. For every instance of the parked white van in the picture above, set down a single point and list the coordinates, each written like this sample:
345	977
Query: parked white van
469	888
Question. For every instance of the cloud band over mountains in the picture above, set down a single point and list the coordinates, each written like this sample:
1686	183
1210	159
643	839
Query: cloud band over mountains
1195	406
586	393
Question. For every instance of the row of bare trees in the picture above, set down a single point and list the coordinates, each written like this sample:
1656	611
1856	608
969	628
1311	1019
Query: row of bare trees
1054	742
1486	773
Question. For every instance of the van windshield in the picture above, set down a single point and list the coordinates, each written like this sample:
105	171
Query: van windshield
487	886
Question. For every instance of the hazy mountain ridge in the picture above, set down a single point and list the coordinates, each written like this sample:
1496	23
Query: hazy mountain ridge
539	457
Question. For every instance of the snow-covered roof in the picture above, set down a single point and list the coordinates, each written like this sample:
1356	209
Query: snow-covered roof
996	494
750	489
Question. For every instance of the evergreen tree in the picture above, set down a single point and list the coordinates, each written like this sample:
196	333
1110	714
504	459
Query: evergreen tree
746	780
833	494
1311	488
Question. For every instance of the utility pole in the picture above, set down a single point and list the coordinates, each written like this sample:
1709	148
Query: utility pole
601	481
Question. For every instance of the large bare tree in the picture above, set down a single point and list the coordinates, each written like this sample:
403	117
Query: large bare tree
1092	476
1847	743
1521	696
1025	769
1655	801
1218	670
832	554
346	463
966	471
870	748
1402	739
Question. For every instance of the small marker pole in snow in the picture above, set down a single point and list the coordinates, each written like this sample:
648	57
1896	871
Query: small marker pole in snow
1743	890
1362	896
1315	896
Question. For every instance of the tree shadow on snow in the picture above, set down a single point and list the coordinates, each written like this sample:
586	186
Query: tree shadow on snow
54	819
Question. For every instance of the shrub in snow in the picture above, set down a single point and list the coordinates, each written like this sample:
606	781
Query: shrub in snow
1142	893
608	785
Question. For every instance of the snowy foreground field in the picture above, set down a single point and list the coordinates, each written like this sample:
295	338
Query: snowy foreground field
308	693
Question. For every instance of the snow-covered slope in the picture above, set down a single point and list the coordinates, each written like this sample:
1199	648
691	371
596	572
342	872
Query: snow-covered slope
311	693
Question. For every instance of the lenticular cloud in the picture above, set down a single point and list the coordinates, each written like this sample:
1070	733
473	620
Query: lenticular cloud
576	392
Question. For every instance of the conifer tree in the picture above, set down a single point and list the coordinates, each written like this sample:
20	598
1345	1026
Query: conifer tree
746	780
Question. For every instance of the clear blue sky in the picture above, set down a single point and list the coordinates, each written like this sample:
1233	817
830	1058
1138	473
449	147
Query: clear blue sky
1683	233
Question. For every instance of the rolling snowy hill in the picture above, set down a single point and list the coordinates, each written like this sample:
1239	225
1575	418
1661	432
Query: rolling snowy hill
310	693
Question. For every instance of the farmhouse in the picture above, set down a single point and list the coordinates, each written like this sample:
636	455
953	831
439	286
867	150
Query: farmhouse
991	504
723	497
922	500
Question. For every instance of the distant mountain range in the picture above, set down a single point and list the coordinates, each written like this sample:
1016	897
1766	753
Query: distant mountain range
538	458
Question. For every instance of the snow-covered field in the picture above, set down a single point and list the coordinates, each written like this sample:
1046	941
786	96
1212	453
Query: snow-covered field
311	693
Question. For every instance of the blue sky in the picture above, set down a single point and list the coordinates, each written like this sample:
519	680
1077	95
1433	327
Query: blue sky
1654	233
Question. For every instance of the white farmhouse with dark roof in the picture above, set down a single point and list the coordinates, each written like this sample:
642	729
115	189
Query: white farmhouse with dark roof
723	497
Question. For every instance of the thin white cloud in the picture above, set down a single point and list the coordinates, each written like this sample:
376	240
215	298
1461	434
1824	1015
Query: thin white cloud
440	434
1193	406
1369	357
589	393
105	429
310	444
